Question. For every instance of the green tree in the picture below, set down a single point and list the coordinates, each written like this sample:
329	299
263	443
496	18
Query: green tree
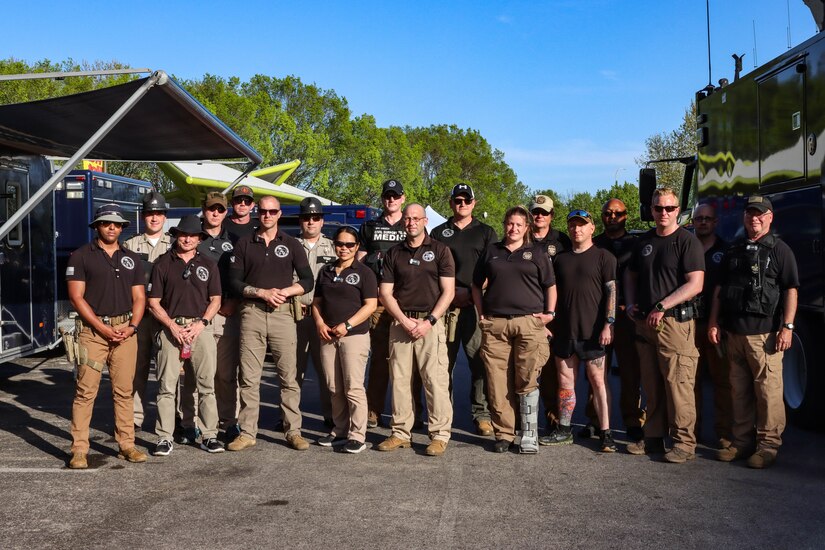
680	142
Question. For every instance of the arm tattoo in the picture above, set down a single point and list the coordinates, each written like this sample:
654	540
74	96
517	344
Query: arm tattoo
610	290
250	292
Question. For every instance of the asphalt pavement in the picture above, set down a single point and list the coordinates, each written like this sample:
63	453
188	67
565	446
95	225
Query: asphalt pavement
272	496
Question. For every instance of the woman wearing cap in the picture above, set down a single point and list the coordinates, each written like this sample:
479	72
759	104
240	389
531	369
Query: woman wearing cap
518	302
346	294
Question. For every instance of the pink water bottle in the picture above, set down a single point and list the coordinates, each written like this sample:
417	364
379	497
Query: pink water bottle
186	351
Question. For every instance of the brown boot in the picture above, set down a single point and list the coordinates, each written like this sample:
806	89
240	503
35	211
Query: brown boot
297	442
484	428
241	442
393	442
763	458
436	448
78	461
132	455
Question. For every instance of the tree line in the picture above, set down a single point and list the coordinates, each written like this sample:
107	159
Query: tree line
344	157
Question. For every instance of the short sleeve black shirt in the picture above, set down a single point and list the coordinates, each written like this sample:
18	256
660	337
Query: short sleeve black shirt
415	273
377	237
713	265
342	295
467	246
239	230
269	266
185	288
622	249
219	249
661	264
109	279
554	242
580	280
516	281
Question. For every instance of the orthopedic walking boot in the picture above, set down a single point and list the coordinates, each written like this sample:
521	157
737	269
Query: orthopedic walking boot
528	436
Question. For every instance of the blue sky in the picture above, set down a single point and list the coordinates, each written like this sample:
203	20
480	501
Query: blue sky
568	90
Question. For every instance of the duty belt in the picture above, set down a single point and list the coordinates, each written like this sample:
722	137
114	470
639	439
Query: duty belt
186	320
113	320
416	314
263	306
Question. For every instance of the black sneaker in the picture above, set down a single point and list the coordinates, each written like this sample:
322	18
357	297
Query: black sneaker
501	446
212	445
163	448
332	441
562	435
588	432
607	443
354	447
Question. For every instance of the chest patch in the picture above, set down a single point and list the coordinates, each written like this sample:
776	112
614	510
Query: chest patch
447	233
428	256
551	249
648	248
353	279
281	251
202	273
127	262
527	255
717	257
227	246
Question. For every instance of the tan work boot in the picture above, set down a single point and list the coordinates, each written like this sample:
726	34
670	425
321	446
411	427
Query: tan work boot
393	442
679	456
241	442
297	442
436	448
763	458
654	445
132	455
78	461
484	428
730	453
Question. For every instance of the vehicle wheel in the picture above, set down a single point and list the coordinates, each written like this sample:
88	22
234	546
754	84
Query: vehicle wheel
802	377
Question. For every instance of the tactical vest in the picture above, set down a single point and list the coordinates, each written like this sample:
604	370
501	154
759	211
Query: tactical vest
751	286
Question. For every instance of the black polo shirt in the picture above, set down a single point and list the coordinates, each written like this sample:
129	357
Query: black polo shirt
580	281
622	250
661	264
713	266
554	242
516	281
343	295
467	246
256	264
109	279
219	249
185	288
415	273
377	237
240	230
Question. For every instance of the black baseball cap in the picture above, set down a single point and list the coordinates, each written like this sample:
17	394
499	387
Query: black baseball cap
392	186
763	204
463	189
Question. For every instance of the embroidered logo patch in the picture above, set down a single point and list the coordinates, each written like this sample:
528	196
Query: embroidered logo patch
647	250
428	256
127	262
527	255
227	246
447	233
353	279
202	273
281	251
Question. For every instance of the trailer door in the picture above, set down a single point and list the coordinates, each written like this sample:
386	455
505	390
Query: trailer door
15	266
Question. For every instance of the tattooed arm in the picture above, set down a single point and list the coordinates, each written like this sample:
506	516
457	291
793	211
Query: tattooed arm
606	337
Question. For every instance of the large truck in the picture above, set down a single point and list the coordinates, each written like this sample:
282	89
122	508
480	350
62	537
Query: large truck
45	208
764	133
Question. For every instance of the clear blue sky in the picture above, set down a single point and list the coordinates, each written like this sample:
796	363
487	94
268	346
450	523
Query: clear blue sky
567	89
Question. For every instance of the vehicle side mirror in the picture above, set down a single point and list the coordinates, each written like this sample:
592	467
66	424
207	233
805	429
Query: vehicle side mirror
647	185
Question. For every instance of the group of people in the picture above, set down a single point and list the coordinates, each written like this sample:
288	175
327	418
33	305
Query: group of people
398	302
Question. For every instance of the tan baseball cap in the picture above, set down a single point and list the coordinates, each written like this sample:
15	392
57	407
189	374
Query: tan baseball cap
213	198
542	202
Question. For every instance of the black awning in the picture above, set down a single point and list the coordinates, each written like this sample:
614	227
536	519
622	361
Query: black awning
167	124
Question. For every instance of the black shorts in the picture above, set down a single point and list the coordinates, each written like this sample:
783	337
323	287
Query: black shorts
585	350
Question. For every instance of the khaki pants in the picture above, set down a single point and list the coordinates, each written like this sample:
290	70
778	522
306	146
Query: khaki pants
120	359
202	369
274	329
428	357
379	371
468	334
309	345
667	361
344	362
719	372
514	352
145	352
756	379
227	331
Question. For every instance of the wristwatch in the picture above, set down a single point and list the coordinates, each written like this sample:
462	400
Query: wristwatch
134	327
660	307
431	319
205	321
347	326
788	326
611	320
550	312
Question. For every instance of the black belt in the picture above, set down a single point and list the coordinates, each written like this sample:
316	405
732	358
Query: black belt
186	320
509	317
416	314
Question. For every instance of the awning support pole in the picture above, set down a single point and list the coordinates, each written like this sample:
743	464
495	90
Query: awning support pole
159	77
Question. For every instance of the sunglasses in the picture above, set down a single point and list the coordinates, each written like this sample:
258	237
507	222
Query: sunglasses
342	244
539	212
242	200
669	209
612	213
579	214
268	211
703	219
410	219
391	197
314	217
217	208
461	202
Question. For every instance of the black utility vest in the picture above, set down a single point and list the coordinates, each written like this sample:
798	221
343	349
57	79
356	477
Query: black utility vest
751	286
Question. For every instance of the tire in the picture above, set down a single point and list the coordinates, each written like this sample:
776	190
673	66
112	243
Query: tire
802	376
